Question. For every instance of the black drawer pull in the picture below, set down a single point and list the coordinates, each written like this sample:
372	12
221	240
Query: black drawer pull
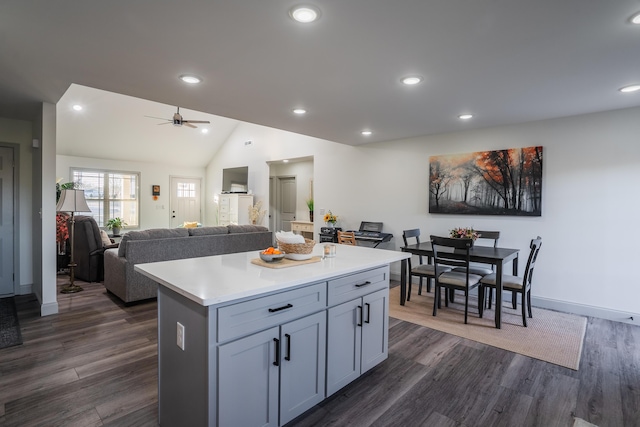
277	361
363	284
288	356
284	307
368	313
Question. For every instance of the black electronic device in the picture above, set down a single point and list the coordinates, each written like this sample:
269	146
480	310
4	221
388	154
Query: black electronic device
372	232
235	180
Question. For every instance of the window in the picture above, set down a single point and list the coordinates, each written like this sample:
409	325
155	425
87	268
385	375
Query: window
186	189
110	194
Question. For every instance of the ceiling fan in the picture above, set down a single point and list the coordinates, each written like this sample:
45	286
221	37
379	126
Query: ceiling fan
177	120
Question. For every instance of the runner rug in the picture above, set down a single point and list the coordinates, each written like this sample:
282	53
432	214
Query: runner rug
9	327
550	336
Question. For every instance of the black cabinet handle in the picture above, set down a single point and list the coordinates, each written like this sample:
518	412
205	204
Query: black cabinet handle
363	284
288	356
277	361
368	313
284	307
360	322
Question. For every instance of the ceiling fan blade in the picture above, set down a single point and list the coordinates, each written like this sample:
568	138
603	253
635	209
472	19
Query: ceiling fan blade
189	124
166	123
196	121
160	118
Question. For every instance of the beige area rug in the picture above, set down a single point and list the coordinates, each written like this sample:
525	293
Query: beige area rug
550	336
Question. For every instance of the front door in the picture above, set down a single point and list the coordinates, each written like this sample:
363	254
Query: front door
184	200
286	202
6	222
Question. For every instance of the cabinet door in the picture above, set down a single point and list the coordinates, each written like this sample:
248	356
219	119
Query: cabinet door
343	344
248	381
375	329
302	365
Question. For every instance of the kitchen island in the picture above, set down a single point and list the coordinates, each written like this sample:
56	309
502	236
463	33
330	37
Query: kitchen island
241	344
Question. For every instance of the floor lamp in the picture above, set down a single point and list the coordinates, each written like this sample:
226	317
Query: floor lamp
72	201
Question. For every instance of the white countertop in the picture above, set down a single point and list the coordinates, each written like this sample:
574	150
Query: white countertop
223	278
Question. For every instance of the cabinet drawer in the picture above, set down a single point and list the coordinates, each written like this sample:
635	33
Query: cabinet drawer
263	312
302	227
356	285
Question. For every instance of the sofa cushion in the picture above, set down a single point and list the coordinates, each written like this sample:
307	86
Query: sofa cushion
246	228
208	231
106	241
153	233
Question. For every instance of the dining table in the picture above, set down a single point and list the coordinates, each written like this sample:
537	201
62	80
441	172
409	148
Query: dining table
482	254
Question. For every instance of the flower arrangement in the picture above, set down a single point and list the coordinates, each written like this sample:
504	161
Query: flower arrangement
62	229
256	213
464	233
330	218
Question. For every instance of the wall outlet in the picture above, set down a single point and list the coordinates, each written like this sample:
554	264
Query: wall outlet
180	335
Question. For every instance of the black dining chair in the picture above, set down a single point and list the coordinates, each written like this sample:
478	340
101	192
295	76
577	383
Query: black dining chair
454	252
422	271
516	284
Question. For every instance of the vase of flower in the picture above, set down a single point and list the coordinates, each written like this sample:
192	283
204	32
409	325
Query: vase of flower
464	233
330	219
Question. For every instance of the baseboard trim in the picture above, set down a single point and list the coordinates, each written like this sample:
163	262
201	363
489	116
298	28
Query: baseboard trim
48	309
571	307
586	310
25	289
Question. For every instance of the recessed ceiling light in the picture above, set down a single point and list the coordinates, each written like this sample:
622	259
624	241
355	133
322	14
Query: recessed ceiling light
299	111
77	107
465	116
191	79
304	13
205	130
635	19
411	80
630	88
285	161
366	132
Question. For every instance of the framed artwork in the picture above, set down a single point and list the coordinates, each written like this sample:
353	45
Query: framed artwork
501	182
155	190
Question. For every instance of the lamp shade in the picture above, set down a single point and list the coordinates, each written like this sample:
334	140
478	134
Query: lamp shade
72	201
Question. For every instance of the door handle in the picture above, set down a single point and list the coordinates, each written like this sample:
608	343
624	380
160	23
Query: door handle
277	361
360	322
368	313
288	356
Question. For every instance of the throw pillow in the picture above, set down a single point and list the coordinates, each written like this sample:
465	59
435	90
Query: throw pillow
106	241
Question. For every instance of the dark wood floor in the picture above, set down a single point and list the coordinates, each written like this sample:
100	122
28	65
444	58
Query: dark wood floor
95	364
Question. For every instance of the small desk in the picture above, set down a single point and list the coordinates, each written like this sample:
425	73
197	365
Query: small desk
483	254
303	227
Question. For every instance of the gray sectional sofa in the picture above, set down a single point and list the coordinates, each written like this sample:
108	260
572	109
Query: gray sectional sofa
165	244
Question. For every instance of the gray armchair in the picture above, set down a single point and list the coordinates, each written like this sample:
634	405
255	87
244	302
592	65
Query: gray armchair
89	249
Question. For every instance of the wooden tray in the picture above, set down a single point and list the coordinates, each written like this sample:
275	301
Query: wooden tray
285	262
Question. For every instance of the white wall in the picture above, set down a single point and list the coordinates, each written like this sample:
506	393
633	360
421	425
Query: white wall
590	203
153	213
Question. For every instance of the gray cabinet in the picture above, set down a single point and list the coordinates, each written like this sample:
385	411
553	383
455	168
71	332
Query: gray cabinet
358	329
285	364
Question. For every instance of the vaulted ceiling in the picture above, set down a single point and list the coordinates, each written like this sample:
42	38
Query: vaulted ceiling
504	61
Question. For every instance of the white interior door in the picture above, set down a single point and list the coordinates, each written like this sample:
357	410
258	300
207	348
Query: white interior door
184	200
6	222
286	202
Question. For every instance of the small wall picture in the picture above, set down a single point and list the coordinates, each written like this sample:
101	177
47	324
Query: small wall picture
500	182
155	190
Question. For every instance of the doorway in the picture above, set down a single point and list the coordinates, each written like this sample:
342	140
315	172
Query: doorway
7	284
184	200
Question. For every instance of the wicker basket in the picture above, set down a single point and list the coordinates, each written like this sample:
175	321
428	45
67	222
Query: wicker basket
297	248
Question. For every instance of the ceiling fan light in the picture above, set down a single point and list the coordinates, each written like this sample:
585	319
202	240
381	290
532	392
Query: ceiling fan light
630	88
411	80
191	79
304	13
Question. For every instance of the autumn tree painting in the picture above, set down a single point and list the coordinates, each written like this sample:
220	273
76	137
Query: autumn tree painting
501	182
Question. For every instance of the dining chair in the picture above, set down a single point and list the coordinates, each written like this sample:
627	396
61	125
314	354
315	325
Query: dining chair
478	268
422	270
517	284
455	252
347	238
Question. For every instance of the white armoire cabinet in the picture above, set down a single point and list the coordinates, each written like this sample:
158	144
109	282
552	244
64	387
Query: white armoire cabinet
234	209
